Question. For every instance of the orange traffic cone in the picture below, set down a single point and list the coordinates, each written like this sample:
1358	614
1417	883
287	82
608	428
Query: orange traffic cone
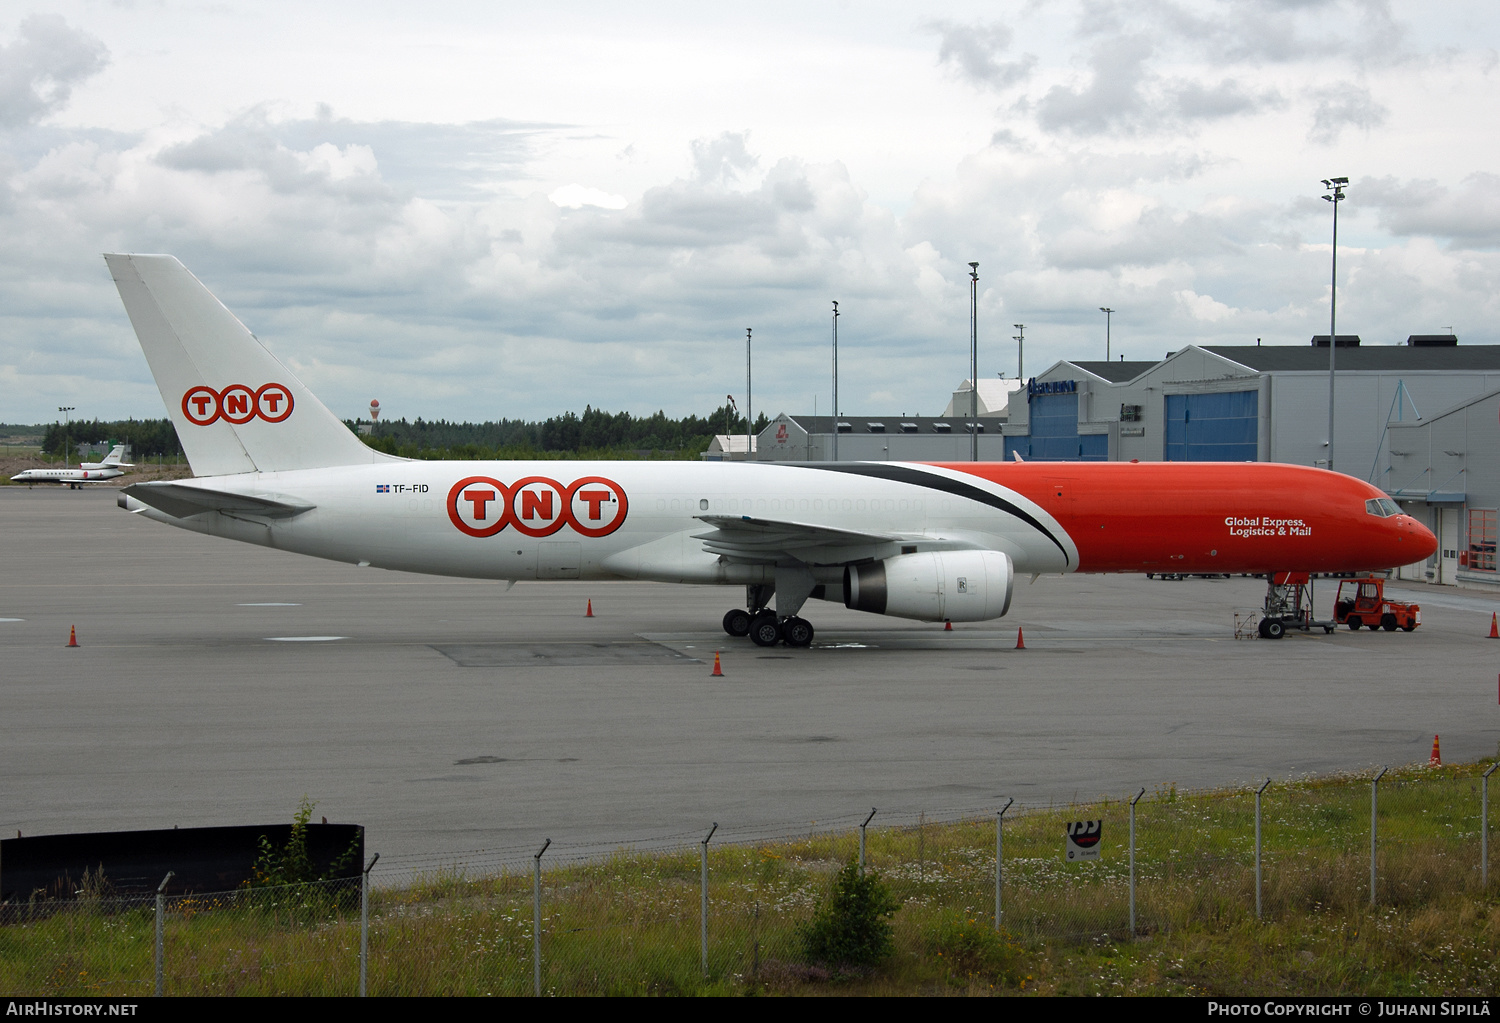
72	635
590	612
1020	640
1494	627
718	672
1436	760
947	625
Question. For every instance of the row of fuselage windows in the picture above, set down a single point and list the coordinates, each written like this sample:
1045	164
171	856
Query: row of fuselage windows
748	505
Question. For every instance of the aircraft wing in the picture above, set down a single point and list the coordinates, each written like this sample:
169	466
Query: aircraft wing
180	500
754	539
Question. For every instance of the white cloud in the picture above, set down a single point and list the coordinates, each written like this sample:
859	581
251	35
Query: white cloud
1345	105
40	69
973	51
1204	307
485	262
576	196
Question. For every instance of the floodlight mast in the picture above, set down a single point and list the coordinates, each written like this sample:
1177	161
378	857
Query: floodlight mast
1335	187
749	406
835	381
1108	313
973	362
65	409
1020	339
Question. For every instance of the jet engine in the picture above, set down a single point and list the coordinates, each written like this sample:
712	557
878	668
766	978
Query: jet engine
957	586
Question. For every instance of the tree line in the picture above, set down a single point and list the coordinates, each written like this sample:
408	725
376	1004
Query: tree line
146	437
593	434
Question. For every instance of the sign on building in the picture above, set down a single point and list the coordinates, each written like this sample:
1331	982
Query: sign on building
1083	840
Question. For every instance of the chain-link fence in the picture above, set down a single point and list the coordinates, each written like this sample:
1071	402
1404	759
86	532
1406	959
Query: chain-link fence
729	908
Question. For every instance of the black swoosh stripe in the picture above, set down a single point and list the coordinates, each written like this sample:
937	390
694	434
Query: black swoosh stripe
933	481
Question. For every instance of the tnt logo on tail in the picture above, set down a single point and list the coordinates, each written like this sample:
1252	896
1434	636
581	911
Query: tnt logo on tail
237	404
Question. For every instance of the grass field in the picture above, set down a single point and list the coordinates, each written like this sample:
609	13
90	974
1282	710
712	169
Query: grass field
630	924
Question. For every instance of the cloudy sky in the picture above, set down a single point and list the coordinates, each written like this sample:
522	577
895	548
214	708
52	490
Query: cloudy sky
477	210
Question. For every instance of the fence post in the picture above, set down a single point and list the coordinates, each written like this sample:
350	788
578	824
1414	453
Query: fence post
1257	846
862	839
536	920
1484	826
703	913
364	924
999	857
1374	793
1137	799
161	911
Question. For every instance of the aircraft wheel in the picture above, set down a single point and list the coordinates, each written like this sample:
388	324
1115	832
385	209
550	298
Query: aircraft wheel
765	631
1260	627
1354	622
1274	628
797	632
737	622
1388	623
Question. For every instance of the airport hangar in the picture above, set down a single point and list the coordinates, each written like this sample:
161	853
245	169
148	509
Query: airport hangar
1420	420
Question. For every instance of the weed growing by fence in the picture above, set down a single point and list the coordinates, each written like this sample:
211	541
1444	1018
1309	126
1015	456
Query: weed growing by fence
852	926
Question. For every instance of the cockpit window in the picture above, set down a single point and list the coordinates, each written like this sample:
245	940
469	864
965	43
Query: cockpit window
1382	506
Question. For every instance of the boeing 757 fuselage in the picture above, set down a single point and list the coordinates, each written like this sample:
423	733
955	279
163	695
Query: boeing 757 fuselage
931	542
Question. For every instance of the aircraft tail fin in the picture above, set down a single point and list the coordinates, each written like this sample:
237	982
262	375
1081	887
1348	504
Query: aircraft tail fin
116	456
236	407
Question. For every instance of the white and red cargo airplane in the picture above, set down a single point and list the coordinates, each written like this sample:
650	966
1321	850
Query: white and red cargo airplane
931	542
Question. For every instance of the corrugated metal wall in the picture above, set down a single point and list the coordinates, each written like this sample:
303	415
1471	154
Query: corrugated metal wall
1221	427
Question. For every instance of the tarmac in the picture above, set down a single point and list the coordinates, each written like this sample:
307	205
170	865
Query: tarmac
218	683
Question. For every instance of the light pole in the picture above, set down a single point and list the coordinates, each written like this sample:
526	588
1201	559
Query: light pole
1335	195
1020	338
65	409
835	381
1107	314
749	405
973	362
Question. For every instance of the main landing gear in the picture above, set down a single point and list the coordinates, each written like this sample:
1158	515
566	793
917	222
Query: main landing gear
765	629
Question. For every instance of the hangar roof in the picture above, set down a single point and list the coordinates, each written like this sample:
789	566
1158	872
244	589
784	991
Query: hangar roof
894	424
1114	372
1374	359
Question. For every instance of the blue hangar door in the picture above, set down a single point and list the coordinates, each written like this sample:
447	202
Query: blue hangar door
1213	427
1054	433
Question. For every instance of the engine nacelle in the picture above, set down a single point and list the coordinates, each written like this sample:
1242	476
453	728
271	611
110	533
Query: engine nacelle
956	586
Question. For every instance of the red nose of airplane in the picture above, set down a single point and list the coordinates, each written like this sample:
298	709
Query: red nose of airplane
1416	541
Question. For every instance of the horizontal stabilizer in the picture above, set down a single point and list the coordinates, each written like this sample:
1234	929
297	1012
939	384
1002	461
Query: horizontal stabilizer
180	500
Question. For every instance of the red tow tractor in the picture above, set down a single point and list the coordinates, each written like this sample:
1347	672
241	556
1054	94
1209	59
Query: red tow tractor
1366	605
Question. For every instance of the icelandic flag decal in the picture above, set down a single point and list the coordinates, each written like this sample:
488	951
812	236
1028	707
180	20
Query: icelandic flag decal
382	488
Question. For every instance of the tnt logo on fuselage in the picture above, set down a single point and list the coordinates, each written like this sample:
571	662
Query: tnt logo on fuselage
537	506
237	404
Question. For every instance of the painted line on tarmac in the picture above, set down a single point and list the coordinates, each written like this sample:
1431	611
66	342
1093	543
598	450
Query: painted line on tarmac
269	603
12	619
303	639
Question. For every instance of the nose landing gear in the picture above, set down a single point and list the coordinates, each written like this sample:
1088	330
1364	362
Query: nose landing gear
1289	605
